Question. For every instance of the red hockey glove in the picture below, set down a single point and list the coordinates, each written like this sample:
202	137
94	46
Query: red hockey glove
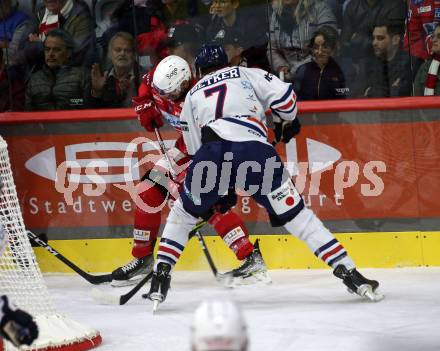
148	114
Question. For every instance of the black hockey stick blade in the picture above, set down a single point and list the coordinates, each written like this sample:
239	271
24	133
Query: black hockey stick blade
93	279
111	299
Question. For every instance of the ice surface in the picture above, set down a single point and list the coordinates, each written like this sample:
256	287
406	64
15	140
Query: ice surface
303	310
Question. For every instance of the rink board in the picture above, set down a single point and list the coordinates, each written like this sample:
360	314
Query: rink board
378	250
368	168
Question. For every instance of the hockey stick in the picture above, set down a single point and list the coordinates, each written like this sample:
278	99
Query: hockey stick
200	224
110	299
207	254
93	279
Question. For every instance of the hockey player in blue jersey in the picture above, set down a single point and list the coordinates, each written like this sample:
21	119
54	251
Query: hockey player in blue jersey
224	128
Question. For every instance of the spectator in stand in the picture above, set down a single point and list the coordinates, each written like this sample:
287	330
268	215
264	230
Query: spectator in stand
174	10
115	87
184	40
292	25
73	16
423	17
360	16
426	81
58	85
148	17
321	78
11	87
234	46
388	73
15	27
248	23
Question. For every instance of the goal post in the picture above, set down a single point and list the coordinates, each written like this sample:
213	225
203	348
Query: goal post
22	281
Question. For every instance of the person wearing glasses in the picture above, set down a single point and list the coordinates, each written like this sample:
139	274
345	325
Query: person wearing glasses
321	78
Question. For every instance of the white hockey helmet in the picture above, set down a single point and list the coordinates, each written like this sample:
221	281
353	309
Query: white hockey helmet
218	325
170	73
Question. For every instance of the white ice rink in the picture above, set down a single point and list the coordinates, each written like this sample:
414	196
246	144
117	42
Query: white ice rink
306	310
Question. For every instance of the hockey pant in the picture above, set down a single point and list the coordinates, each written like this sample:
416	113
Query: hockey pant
256	168
153	194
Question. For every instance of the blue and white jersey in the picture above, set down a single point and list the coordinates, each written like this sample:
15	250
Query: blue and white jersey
233	102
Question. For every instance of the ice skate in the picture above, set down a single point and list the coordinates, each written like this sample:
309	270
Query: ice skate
160	283
133	272
357	283
253	270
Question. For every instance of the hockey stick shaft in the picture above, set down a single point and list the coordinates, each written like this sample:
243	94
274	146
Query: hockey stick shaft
164	152
206	252
123	299
195	230
93	279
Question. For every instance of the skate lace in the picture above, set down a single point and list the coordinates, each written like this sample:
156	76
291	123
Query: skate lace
130	265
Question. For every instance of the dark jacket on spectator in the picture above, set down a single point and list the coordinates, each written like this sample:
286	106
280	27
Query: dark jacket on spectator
360	18
313	83
11	90
289	39
112	96
389	78
250	24
63	89
15	30
80	25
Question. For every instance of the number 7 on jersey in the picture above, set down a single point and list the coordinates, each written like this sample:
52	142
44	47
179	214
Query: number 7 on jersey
221	90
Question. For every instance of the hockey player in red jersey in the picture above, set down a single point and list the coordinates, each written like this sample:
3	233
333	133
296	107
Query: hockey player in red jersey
161	98
215	129
422	18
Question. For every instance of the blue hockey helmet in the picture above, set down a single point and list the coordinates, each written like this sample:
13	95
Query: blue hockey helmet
211	56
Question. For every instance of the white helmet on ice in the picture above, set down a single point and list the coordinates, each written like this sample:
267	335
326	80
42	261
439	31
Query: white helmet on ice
218	325
170	73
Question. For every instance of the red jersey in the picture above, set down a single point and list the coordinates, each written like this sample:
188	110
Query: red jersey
422	19
169	109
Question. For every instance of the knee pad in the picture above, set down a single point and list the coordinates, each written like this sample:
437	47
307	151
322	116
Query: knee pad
234	233
285	203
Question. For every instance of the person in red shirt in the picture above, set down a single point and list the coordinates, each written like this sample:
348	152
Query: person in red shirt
422	18
161	98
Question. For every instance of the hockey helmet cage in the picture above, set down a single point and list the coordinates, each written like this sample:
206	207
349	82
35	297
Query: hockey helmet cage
170	73
211	56
218	325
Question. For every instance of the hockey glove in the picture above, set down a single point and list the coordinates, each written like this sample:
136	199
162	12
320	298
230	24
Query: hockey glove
148	114
226	202
286	130
17	326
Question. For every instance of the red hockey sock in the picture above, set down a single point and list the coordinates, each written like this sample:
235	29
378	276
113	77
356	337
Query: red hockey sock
234	233
147	223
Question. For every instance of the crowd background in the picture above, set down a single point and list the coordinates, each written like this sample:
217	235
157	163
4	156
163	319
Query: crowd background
77	54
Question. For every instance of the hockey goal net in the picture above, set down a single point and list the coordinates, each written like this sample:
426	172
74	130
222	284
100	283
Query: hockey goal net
21	279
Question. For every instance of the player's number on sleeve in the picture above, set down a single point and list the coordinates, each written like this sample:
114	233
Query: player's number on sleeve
221	91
